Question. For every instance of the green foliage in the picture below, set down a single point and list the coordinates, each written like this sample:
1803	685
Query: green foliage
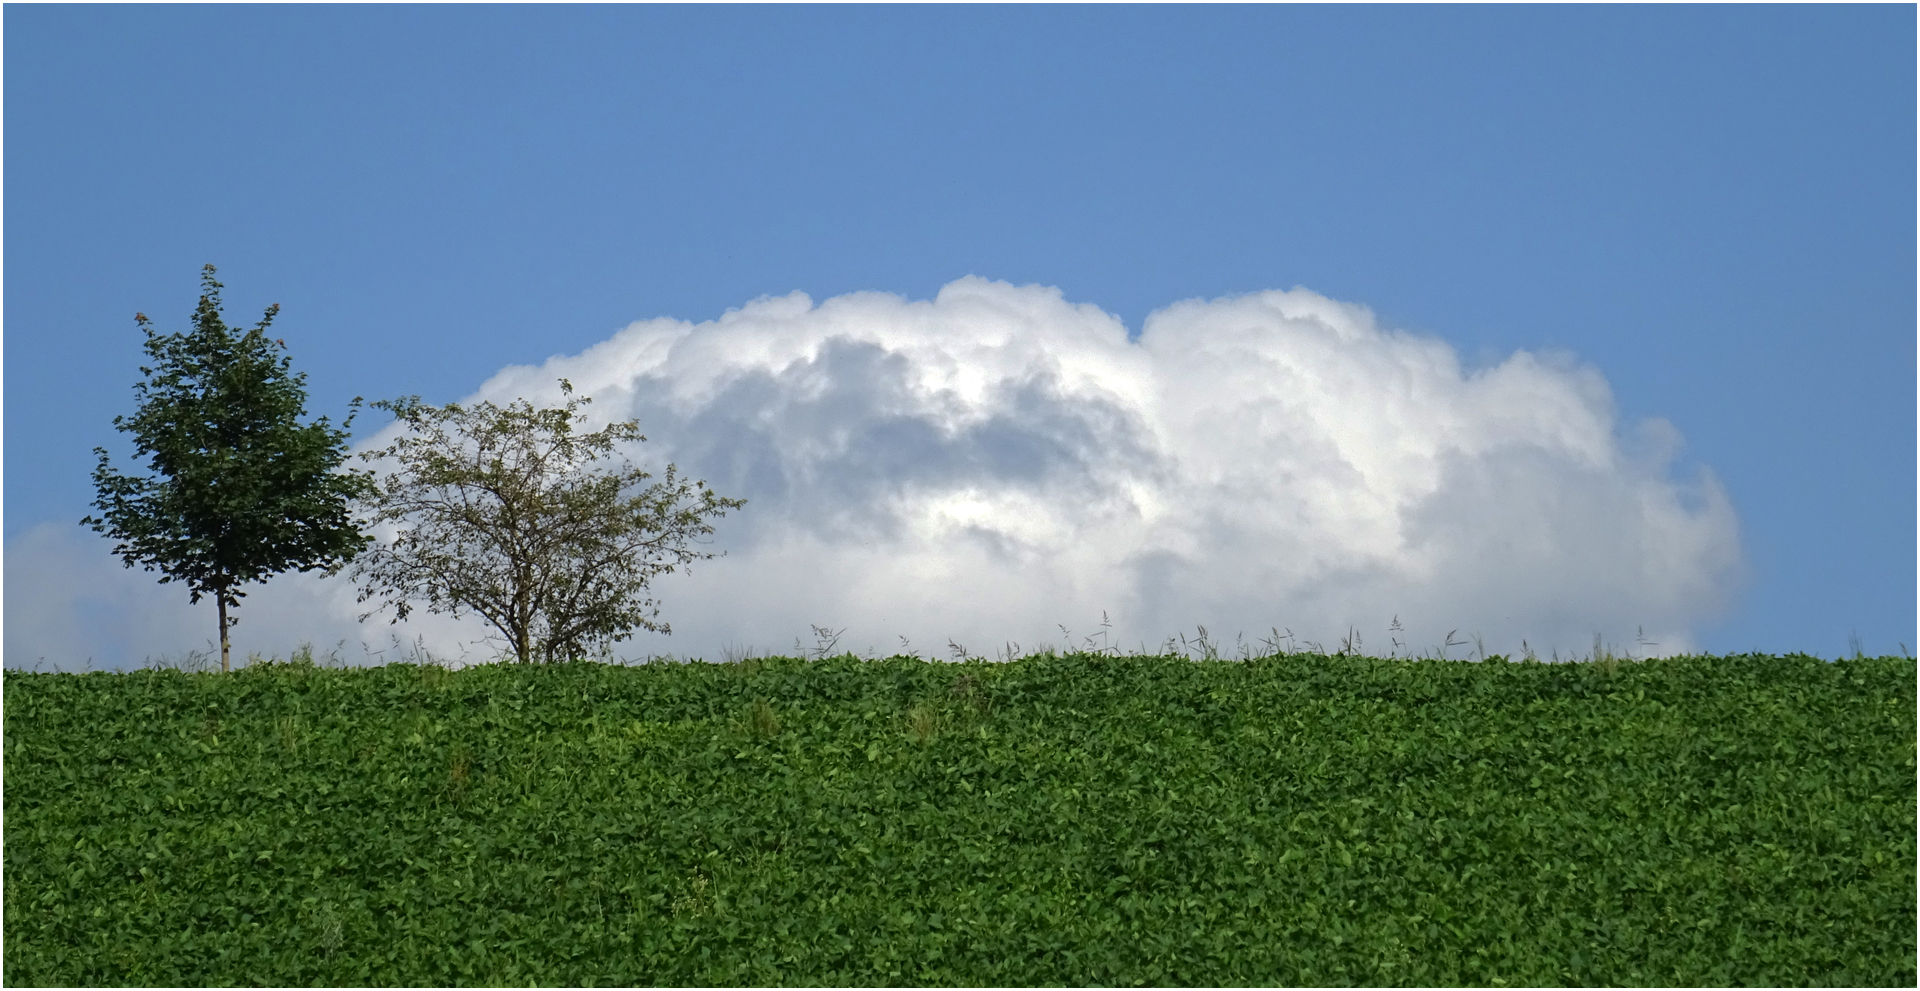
507	512
1055	821
240	489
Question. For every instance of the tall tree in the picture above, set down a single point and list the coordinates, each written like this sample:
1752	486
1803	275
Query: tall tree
239	488
512	514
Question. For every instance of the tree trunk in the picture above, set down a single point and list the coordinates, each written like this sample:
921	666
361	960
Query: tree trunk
220	596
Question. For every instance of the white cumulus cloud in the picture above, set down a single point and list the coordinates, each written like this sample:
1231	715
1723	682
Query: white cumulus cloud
994	463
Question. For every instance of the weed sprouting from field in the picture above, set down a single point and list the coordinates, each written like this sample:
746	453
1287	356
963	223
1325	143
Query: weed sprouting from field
760	721
1603	658
826	642
192	661
1272	643
418	654
697	900
1105	644
922	723
1201	642
293	731
459	772
328	929
1203	645
1282	642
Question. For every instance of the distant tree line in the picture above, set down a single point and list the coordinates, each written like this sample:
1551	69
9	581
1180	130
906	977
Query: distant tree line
513	513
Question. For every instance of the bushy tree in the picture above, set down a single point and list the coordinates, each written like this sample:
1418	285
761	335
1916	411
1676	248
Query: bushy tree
239	489
511	514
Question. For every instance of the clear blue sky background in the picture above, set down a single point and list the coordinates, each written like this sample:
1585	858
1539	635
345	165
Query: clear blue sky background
1715	206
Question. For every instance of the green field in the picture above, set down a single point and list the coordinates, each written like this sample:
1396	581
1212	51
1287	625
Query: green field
1053	820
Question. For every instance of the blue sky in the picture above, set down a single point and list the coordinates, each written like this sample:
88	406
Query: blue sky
1711	207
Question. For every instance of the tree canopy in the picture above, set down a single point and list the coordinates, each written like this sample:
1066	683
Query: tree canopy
238	489
511	513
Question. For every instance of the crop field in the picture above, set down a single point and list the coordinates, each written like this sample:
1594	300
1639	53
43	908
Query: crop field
1053	820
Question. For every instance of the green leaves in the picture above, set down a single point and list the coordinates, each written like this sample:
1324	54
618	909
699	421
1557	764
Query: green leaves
1055	820
239	489
507	512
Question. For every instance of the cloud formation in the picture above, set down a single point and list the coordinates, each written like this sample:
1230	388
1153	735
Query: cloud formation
996	462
